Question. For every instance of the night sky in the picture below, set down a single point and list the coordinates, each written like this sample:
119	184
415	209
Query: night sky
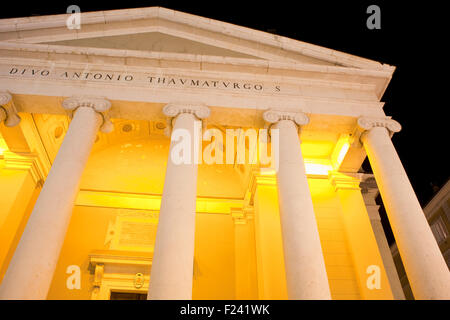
412	38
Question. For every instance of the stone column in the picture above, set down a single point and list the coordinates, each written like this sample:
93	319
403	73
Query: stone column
306	276
31	269
173	257
424	264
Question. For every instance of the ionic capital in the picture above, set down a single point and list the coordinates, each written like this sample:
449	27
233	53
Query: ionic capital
367	123
273	116
5	97
8	112
173	109
99	104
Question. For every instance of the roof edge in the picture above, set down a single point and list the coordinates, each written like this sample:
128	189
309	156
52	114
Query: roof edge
109	16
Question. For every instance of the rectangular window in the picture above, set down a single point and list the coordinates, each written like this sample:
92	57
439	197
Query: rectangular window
439	230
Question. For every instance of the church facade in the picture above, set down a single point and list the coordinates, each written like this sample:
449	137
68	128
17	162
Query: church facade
150	153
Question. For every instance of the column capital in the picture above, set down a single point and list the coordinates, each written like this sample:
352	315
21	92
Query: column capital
8	112
172	110
26	161
200	111
273	116
367	123
99	104
5	97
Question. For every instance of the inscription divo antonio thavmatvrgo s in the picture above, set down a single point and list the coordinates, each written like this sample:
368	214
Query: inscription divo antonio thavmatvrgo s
140	79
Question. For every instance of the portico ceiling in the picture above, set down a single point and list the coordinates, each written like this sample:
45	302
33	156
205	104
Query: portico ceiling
138	149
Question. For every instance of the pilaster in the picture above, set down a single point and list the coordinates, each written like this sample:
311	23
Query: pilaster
268	238
360	237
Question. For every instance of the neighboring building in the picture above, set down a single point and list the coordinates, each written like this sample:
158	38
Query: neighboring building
97	202
437	212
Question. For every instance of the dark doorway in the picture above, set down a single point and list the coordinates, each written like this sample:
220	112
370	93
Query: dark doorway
128	296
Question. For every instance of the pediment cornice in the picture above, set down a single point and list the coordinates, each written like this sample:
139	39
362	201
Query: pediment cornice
156	19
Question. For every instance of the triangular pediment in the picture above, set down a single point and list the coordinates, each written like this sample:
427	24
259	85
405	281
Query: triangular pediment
153	42
158	29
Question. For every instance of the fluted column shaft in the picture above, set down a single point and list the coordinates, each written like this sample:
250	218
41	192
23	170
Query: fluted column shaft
306	276
424	264
31	269
173	258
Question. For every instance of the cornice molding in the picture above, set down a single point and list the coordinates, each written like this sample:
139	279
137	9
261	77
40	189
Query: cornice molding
344	181
117	257
150	202
169	56
352	181
27	162
17	28
99	104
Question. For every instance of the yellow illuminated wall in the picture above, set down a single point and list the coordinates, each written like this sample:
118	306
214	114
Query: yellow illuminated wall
338	262
18	193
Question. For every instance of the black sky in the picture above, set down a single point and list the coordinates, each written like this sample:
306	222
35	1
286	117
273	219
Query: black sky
412	38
